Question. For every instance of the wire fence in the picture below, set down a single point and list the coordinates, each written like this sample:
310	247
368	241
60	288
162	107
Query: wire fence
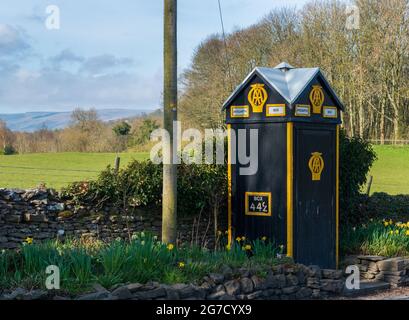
389	142
49	169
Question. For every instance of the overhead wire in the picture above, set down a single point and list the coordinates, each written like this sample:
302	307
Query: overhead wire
226	55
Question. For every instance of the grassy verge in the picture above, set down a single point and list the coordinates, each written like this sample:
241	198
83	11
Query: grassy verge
140	260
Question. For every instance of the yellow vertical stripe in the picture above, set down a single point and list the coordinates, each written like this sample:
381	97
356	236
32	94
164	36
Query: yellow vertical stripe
290	189
337	200
229	189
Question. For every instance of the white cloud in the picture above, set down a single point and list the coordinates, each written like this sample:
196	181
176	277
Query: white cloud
66	56
13	41
58	90
68	80
97	64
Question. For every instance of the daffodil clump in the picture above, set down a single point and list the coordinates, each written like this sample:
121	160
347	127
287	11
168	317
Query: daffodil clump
386	238
397	228
142	258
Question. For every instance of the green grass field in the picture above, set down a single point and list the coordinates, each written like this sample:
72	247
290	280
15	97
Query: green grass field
56	169
390	172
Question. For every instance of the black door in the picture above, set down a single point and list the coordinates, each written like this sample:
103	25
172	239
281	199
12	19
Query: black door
259	199
314	195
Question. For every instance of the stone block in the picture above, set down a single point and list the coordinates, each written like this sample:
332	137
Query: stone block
218	293
123	293
255	295
370	258
392	264
13	218
291	280
258	282
150	294
332	285
331	274
232	287
290	290
246	285
28	217
217	278
303	293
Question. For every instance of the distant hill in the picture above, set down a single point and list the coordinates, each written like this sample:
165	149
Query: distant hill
32	121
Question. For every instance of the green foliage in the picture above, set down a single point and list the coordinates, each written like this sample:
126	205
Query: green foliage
139	184
380	205
9	150
200	187
383	238
122	129
141	259
356	158
143	133
81	263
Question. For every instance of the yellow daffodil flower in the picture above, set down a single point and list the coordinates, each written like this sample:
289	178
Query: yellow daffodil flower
170	247
181	264
29	240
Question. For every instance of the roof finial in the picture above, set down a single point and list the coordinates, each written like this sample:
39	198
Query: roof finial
284	66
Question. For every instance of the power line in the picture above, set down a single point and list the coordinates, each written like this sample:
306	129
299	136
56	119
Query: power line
225	46
49	169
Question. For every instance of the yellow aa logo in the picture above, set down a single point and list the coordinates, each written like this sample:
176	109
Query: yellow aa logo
316	98
316	165
257	97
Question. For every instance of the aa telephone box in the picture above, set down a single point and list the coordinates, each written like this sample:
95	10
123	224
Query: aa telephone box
292	198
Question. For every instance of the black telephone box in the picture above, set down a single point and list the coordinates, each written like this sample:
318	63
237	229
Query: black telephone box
292	196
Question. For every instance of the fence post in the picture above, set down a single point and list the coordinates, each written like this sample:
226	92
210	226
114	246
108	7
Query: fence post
117	162
368	188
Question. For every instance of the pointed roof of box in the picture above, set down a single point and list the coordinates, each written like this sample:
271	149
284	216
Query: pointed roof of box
288	81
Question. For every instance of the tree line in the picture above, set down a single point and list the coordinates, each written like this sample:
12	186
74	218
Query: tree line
367	64
85	133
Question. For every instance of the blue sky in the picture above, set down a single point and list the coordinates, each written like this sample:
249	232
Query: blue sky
106	54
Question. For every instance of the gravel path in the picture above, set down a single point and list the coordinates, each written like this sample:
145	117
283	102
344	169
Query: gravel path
391	294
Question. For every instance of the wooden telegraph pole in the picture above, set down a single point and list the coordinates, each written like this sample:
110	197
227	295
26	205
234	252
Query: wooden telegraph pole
169	196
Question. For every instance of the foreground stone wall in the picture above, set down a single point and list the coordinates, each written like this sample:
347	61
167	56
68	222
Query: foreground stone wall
394	271
282	282
42	214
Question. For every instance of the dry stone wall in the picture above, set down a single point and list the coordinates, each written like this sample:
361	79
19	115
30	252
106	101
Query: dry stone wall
282	282
41	214
394	271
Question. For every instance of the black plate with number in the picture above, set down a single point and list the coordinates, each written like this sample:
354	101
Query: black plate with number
258	204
